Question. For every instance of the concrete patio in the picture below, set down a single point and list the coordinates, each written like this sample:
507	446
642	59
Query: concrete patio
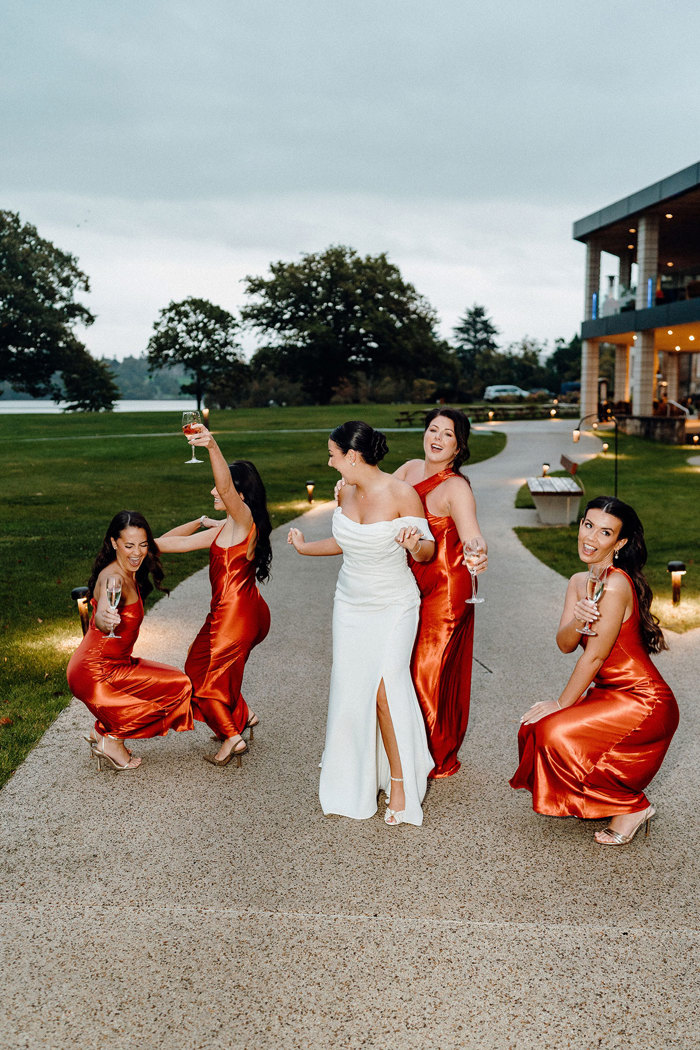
185	907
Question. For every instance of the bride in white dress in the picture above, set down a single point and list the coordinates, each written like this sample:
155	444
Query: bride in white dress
375	736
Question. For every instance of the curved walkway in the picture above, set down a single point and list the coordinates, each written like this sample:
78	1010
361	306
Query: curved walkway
189	907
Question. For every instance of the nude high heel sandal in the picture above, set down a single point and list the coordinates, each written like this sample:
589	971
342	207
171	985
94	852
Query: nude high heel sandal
393	817
103	758
235	752
252	723
622	840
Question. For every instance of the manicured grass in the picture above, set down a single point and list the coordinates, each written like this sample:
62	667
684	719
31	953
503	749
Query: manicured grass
664	489
64	478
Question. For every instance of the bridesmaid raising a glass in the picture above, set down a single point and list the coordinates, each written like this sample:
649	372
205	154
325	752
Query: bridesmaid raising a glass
239	619
442	656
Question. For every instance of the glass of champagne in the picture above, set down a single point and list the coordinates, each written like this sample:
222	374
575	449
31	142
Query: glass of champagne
472	553
189	421
595	585
114	593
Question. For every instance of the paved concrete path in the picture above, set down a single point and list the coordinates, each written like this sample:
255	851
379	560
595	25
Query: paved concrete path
189	907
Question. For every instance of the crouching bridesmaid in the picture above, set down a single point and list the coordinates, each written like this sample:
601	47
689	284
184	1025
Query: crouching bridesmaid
592	752
128	697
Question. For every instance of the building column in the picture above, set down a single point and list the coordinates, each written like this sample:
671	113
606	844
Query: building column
622	373
589	377
644	379
671	375
592	282
647	261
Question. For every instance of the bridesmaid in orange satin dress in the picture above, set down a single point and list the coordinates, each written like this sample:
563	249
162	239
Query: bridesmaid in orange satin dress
442	656
239	619
129	697
592	752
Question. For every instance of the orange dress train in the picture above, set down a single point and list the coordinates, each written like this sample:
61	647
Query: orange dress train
239	620
129	697
594	758
441	665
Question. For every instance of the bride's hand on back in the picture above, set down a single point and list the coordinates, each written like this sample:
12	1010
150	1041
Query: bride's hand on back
409	538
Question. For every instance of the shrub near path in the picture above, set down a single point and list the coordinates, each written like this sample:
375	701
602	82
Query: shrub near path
64	478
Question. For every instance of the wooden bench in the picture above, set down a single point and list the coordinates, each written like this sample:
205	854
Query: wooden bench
411	418
557	499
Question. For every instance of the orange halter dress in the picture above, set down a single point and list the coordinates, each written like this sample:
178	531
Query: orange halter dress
441	665
128	696
594	758
239	619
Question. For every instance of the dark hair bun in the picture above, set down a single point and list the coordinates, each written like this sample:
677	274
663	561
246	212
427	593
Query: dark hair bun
379	446
370	443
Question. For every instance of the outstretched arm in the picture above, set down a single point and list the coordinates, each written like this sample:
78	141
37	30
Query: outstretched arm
462	510
314	548
186	537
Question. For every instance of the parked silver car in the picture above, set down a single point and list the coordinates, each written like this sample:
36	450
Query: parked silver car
494	393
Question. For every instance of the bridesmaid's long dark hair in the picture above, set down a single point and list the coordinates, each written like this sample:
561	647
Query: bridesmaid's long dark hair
150	566
249	484
462	427
632	559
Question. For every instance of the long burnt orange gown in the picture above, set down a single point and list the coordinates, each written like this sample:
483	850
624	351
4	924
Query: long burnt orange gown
441	665
129	697
594	758
239	619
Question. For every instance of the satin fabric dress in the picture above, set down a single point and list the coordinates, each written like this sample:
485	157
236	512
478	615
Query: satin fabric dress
238	620
375	616
128	696
594	758
442	657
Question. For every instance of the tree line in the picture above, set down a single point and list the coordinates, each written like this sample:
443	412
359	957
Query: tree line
333	326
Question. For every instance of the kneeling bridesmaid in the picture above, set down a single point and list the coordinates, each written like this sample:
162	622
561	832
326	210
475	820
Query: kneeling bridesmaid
129	697
592	752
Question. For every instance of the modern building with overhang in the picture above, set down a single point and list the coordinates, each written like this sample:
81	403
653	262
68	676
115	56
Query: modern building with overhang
642	295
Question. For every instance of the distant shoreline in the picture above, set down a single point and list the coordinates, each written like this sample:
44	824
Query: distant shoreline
38	406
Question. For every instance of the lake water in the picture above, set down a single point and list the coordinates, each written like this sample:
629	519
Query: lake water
24	407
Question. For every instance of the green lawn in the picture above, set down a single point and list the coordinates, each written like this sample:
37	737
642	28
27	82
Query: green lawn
65	476
664	489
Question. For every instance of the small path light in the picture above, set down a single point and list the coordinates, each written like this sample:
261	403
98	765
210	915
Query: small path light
677	570
310	486
205	417
606	446
695	439
79	595
576	435
552	412
545	470
490	414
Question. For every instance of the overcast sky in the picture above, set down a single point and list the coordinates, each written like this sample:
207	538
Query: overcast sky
175	147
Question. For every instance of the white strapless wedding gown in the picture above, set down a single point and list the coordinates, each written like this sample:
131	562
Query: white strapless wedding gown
375	618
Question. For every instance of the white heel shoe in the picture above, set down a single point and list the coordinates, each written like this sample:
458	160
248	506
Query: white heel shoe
394	817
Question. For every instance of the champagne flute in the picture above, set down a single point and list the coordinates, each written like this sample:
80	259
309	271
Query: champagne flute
472	553
189	422
595	585
114	593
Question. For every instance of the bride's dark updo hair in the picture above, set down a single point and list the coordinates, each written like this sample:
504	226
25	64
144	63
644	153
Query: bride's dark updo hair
359	436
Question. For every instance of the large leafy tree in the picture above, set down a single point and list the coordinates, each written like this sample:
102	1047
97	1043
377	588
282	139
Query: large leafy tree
200	336
38	308
334	315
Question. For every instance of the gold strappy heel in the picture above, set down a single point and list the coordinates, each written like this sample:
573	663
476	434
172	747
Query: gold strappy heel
102	757
622	840
235	752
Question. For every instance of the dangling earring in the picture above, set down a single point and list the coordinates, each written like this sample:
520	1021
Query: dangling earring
615	554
